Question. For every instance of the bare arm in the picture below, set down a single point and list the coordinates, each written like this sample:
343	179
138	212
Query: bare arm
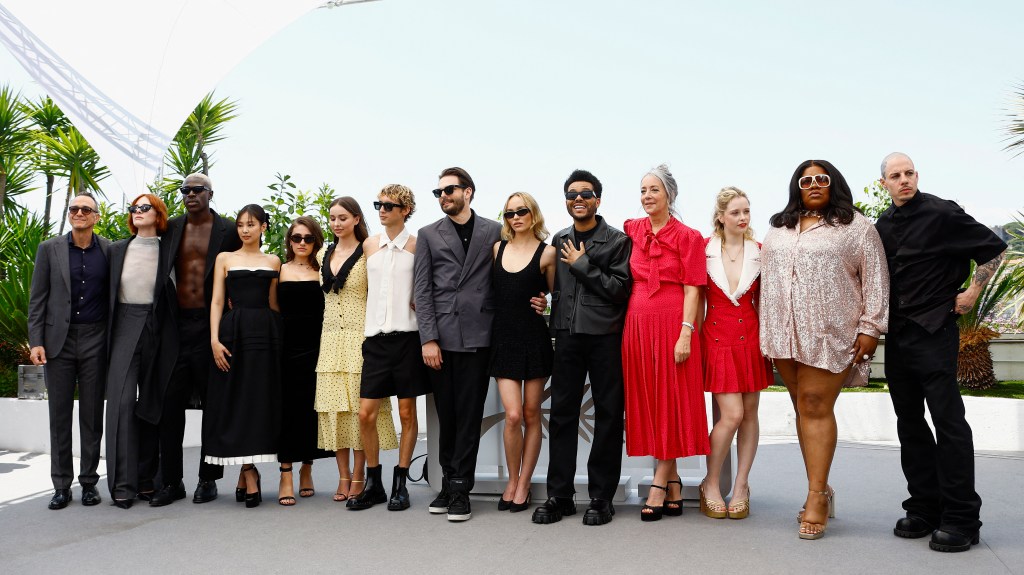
982	274
691	298
220	353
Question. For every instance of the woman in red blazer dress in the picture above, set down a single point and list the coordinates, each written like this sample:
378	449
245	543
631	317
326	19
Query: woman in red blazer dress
734	369
665	413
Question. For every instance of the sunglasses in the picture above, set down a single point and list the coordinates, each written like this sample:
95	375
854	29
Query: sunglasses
447	190
586	195
820	180
189	190
388	206
521	212
299	238
139	209
86	211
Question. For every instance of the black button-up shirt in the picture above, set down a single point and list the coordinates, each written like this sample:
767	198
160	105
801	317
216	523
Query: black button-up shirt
89	282
929	244
465	231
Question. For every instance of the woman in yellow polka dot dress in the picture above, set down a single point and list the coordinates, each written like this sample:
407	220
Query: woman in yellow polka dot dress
338	371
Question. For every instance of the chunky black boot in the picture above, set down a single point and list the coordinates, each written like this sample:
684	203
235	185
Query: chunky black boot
373	491
399	494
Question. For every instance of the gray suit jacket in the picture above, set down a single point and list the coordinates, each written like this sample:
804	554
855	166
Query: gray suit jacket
49	303
454	303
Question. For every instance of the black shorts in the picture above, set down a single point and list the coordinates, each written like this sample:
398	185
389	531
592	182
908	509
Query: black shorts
393	365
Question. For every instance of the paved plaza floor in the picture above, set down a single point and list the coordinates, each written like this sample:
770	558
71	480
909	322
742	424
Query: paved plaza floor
320	536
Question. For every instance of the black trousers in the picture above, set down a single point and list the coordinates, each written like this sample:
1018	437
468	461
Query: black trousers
82	362
460	389
575	357
921	368
161	443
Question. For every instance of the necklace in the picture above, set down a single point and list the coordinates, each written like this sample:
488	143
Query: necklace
812	214
726	252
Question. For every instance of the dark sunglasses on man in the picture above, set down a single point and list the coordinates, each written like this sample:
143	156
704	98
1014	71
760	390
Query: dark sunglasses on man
585	194
388	206
139	209
299	238
189	190
86	211
447	190
521	212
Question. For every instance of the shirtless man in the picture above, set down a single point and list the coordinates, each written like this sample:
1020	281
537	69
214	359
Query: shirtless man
190	246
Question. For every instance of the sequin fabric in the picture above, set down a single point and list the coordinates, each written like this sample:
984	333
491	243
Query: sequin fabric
819	289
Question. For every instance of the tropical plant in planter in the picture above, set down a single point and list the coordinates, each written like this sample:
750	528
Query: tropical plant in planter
20	237
997	306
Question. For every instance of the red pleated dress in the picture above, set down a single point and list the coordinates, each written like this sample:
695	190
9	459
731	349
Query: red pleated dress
665	416
732	350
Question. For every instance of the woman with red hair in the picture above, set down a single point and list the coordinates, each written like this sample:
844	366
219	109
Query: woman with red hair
136	308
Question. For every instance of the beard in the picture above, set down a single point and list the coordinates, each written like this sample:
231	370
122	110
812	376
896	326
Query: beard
454	207
590	212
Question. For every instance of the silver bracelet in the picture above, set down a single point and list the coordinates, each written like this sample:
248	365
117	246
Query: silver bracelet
689	325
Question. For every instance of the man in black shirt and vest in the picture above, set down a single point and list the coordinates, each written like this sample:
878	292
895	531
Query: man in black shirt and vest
67	332
929	244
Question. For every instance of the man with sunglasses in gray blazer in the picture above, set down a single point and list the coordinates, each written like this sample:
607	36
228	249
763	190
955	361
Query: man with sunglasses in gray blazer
67	332
454	310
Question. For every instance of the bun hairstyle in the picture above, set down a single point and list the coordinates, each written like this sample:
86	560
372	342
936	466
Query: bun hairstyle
256	212
669	182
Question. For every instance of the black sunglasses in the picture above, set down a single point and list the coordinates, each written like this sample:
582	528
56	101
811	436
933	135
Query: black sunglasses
188	190
447	190
139	209
86	211
388	206
521	212
586	195
299	238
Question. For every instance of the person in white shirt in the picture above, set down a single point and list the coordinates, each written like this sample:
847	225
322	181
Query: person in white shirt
392	359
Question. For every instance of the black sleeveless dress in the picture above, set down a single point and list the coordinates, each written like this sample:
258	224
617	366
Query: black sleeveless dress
520	340
302	309
242	419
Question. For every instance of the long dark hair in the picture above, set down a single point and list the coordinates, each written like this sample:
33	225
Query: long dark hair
258	213
351	206
314	228
840	206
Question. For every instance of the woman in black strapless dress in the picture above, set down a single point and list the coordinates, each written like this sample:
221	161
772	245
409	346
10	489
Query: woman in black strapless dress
242	418
521	353
302	309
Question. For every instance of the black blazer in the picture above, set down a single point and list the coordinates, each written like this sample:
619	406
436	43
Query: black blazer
223	238
162	353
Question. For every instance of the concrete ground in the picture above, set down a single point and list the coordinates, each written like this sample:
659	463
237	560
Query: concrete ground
321	536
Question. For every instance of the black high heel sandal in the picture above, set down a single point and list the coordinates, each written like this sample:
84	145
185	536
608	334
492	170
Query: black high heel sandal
674	508
287	500
253	499
240	491
514	507
650	512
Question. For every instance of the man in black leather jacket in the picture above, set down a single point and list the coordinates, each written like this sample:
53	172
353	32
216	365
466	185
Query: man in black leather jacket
588	306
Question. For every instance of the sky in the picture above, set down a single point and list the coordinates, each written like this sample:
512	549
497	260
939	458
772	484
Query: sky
521	93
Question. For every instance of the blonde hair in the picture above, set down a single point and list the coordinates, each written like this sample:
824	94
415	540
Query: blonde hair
402	195
539	231
726	195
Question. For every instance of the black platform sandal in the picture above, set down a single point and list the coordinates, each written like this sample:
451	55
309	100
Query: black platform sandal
287	500
650	512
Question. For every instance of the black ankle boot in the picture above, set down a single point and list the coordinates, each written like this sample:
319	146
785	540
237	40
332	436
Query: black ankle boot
373	491
399	494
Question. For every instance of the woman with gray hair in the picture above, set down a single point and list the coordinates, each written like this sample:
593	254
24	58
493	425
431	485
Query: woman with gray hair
661	359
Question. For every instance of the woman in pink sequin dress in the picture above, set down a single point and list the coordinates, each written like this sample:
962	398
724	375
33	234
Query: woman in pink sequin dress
665	415
824	303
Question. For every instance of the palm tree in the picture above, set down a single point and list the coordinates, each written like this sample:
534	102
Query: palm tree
205	125
69	155
47	117
1015	126
14	139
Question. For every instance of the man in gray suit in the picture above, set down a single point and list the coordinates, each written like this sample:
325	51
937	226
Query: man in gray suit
454	309
67	321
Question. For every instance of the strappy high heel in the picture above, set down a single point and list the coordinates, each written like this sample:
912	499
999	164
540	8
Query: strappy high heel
338	495
253	499
831	512
674	508
740	509
287	500
812	535
650	512
712	509
306	491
